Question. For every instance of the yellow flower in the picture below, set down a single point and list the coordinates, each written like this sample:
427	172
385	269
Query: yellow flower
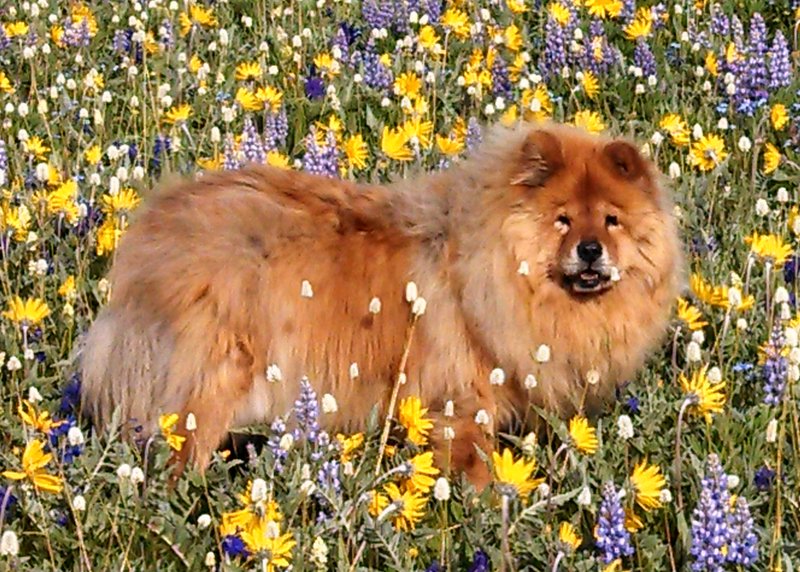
36	147
39	421
513	38
407	85
5	83
457	22
197	16
18	219
80	12
676	128
708	152
647	482
584	437
28	312
393	144
559	13
271	97
604	8
178	114
770	248
421	472
349	445
195	63
278	159
411	415
247	71
62	201
268	545
34	460
590	84
641	26
210	163
568	536
633	523
779	116
253	515
108	236
514	478
537	103
167	424
706	292
690	315
122	203
615	566
248	100
450	145
772	158
67	288
15	29
377	503
356	151
589	120
419	129
410	507
705	398
509	116
517	6
427	37
711	64
93	154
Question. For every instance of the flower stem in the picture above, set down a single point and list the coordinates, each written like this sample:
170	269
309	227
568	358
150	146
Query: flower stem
505	548
557	561
686	403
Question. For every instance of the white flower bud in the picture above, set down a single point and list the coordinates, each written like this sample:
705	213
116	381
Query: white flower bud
203	521
482	417
375	306
772	431
543	354
693	352
449	408
258	491
9	544
274	374
497	376
191	422
411	292
585	497
624	427
530	381
305	289
75	437
33	394
137	475
286	442
329	404
441	490
124	471
419	307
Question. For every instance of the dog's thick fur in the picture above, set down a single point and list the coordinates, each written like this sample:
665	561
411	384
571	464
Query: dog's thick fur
206	291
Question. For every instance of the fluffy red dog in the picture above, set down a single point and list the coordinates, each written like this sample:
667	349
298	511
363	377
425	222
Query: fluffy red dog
546	238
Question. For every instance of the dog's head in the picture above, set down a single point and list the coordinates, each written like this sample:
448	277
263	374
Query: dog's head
587	211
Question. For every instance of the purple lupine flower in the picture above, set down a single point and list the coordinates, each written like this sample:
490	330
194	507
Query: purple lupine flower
643	58
123	40
555	48
3	162
756	66
166	33
775	369
743	547
306	413
613	539
378	13
66	450
230	160
76	35
480	562
276	129
328	477
234	546
5	41
315	87
474	134
432	9
780	67
7	502
341	42
376	75
764	478
790	269
628	11
501	84
710	529
71	395
252	146
659	14
720	24
599	56
321	159
279	454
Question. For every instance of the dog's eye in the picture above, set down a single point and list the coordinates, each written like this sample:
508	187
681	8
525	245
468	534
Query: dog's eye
563	219
611	220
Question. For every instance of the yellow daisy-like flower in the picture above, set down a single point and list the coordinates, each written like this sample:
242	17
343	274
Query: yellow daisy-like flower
568	536
708	293
517	6
589	120
377	503
270	97
349	445
5	84
514	478
40	421
537	103
36	147
123	202
559	13
248	100
421	473
108	236
18	219
210	163
584	437
641	26
633	523
410	507
407	84
772	158
513	38
178	114
195	63
278	159
16	29
411	415
770	248
456	21
690	315
450	145
604	8
648	482
197	16
711	64
427	37
510	116
93	154
394	144
778	116
419	130
67	288
167	424
248	71
269	546
590	84
34	459
708	152
28	312
356	151
676	128
706	398
62	201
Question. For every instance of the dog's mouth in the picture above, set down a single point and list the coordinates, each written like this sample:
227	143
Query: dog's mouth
589	281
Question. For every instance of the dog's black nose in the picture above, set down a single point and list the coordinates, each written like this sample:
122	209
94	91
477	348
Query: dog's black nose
589	250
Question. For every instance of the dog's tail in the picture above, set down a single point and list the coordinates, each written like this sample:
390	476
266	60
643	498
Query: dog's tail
123	363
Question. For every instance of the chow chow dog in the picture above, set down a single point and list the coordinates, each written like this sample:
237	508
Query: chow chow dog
549	260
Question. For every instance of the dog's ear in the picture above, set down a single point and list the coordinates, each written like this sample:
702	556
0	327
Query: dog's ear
540	156
625	160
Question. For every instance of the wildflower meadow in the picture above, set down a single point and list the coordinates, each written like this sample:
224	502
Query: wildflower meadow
695	466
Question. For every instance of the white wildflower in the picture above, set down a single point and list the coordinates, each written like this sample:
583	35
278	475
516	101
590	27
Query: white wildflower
124	471
137	475
449	408
9	544
772	431
33	394
693	352
75	437
530	381
203	521
258	491
624	427
375	306
329	404
286	442
543	354
585	497
497	376
482	417
79	503
319	553
305	289
419	307
411	292
441	490
274	374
